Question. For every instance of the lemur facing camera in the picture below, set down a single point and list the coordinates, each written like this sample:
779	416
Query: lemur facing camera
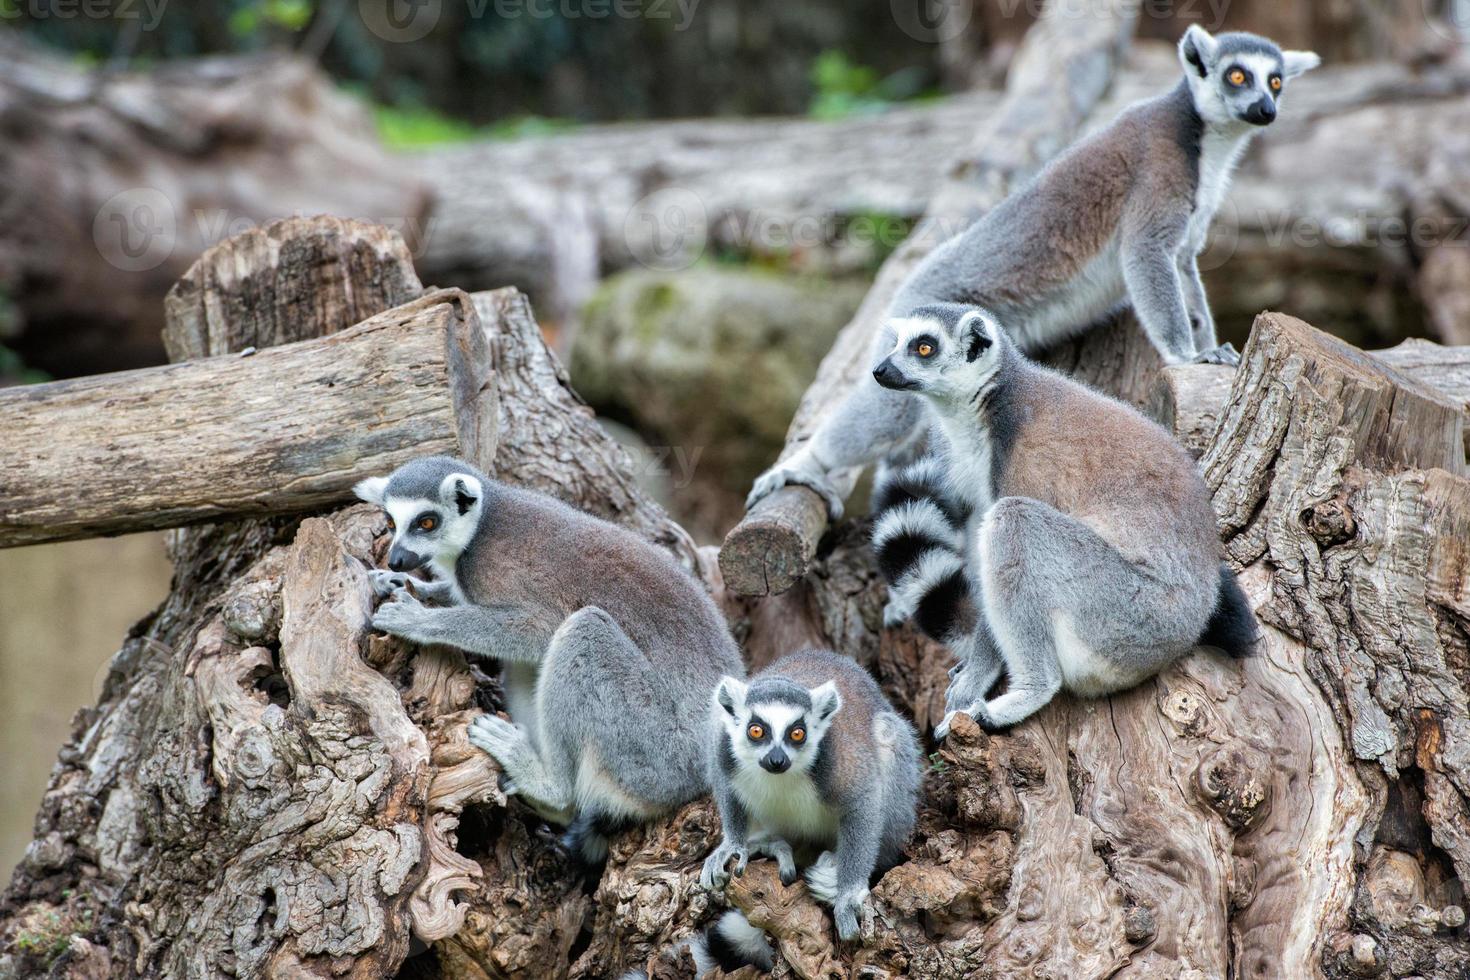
610	650
1116	220
1062	537
809	763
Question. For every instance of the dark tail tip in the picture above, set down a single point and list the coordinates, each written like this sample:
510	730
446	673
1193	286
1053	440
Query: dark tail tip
1232	626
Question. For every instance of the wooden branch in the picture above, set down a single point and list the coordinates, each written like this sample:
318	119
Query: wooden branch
288	429
1061	71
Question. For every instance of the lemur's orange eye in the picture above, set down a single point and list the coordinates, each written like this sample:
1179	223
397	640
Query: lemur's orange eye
391	525
1236	76
925	350
798	735
1276	83
756	733
428	523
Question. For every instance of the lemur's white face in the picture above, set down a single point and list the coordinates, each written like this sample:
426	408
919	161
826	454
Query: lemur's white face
1238	80
778	736
943	357
427	529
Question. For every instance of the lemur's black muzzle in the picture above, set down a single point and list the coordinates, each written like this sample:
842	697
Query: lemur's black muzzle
400	559
776	761
1262	113
891	377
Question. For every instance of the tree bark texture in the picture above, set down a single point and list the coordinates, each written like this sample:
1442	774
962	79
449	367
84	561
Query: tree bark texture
267	788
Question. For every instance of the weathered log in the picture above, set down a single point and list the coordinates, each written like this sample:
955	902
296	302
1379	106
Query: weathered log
287	430
1062	69
551	214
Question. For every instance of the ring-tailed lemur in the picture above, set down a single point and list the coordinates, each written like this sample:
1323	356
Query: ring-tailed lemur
1064	538
610	650
807	761
1116	220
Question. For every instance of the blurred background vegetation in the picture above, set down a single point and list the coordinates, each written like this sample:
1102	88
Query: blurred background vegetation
513	75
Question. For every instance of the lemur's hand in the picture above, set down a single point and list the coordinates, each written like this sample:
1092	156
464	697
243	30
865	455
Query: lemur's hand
801	469
974	710
385	583
713	876
405	616
1224	354
775	847
852	914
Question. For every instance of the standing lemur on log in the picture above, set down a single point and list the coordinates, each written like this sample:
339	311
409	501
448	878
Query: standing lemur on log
1061	536
610	650
1116	220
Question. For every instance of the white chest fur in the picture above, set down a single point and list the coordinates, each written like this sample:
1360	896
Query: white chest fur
1220	151
785	805
969	461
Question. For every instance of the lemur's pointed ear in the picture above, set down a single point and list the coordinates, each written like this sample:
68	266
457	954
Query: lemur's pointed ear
1294	63
730	695
826	700
460	491
1197	49
975	334
371	490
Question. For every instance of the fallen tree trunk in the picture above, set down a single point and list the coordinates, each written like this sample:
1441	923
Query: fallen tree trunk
287	430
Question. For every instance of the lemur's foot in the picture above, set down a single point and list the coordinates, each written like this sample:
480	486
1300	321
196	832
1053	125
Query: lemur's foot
507	745
799	470
821	878
1224	354
853	915
714	876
